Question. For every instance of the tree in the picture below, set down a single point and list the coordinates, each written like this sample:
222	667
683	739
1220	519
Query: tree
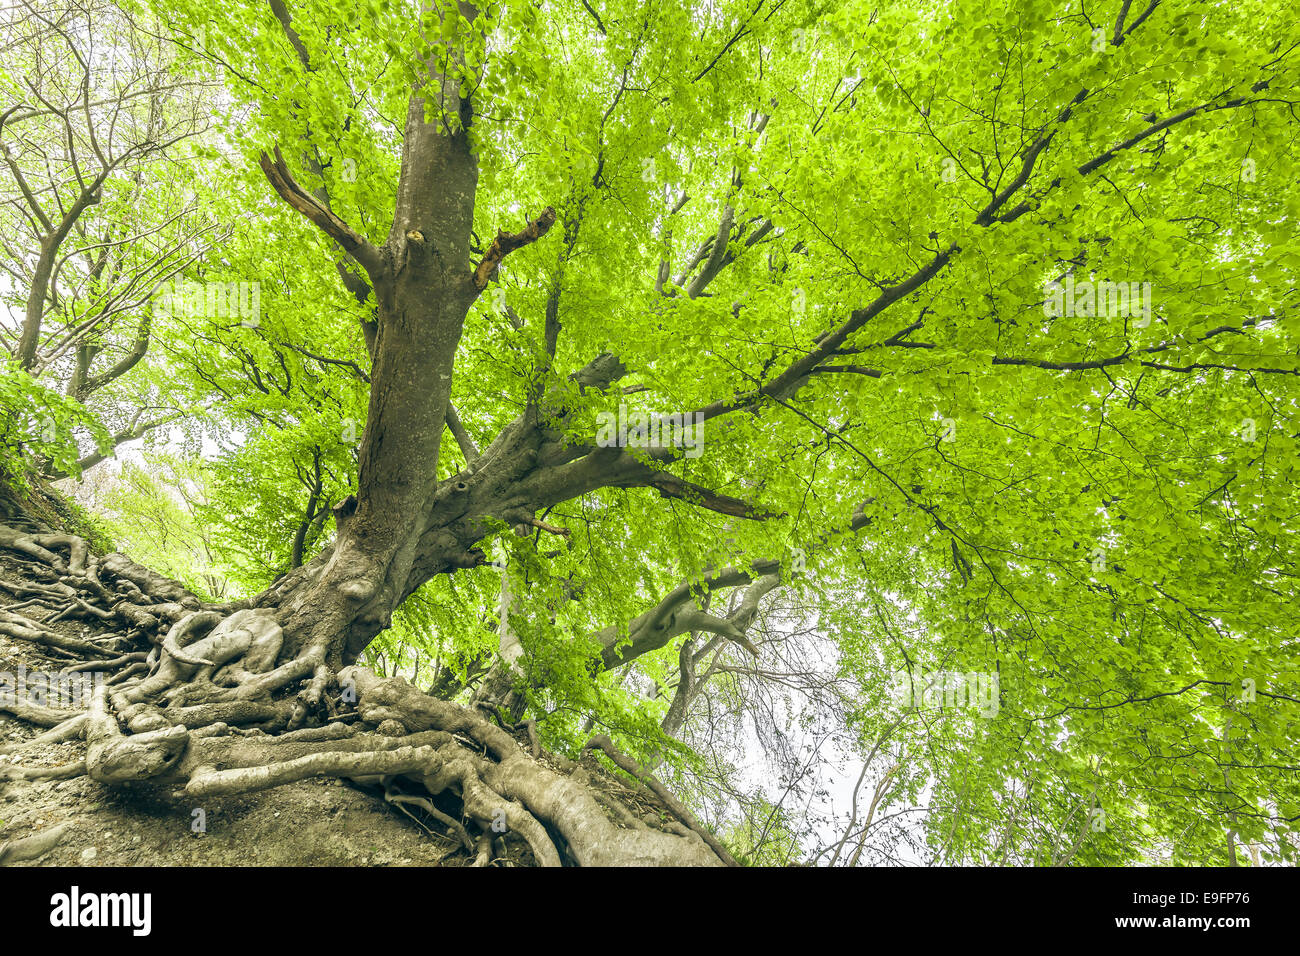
92	229
987	318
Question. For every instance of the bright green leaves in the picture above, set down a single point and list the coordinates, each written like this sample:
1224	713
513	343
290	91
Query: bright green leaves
37	423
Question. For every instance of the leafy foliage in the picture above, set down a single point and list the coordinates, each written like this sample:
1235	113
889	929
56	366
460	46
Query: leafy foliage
1099	507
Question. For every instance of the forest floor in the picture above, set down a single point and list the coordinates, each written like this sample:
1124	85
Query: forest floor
309	823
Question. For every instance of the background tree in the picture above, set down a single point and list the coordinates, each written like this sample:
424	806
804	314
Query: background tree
98	212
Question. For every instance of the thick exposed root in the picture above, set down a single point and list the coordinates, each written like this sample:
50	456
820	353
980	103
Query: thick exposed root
33	847
65	772
24	629
209	782
34	713
71	729
112	757
624	762
590	836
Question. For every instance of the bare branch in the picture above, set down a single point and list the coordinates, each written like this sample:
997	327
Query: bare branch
507	242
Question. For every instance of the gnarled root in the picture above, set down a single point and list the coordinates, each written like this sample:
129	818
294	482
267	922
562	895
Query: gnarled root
112	757
33	847
559	801
605	745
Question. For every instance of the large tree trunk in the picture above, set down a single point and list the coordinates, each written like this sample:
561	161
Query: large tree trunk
421	284
403	527
423	287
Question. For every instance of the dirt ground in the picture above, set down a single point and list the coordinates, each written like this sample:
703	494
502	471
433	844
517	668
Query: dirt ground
312	823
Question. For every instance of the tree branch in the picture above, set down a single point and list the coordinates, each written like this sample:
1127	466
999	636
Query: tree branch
507	242
309	206
670	486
